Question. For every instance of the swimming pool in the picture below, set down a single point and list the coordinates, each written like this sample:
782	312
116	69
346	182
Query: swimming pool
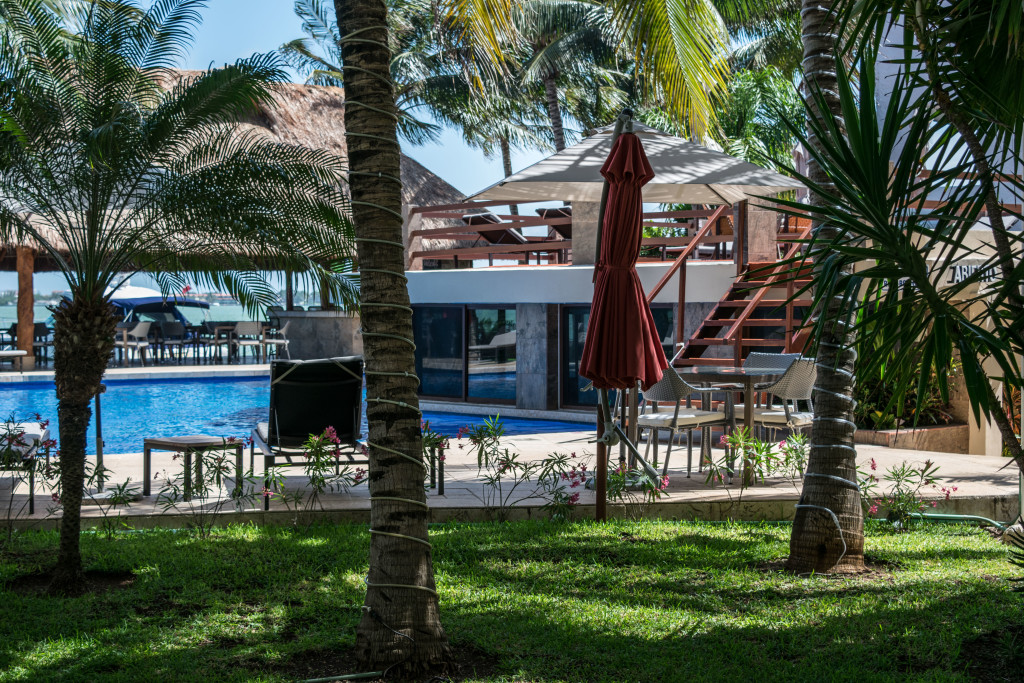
133	410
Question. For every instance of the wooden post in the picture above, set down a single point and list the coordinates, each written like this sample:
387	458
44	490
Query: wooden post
289	292
325	295
26	258
681	313
601	473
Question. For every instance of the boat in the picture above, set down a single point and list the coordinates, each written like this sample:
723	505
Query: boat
142	304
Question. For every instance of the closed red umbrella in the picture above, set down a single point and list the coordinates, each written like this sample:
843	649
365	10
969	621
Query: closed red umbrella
622	346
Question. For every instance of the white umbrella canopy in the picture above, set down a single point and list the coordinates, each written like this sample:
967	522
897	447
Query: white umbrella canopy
684	172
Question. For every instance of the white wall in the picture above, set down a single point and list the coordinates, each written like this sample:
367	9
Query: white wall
705	282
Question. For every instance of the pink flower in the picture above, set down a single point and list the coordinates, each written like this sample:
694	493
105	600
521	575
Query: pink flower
440	457
874	465
873	509
363	449
55	498
723	440
267	493
935	504
360	475
186	289
574	498
332	435
664	482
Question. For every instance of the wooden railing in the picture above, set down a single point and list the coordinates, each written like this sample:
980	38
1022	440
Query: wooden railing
679	266
549	249
737	327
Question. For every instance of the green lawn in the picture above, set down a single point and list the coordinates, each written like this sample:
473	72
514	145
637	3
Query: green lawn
652	601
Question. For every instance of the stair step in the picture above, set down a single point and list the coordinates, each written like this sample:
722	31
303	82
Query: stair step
716	341
750	322
764	303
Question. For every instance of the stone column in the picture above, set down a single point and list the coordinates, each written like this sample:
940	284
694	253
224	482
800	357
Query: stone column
760	243
26	258
537	356
584	232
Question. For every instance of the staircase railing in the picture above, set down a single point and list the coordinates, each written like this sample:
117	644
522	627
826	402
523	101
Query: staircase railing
753	303
679	266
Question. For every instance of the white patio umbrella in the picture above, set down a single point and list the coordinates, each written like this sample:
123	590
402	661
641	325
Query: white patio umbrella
684	172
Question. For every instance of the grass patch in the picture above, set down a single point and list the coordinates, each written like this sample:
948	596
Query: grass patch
651	601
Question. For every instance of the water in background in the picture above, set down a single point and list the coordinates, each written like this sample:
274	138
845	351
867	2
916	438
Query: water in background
228	312
135	410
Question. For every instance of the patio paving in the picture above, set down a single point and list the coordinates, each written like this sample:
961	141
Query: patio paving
985	486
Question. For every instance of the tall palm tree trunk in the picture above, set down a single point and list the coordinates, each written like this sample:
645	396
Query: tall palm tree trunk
83	340
506	167
828	531
401	625
554	111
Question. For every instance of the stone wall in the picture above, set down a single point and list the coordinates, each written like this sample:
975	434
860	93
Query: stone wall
322	334
536	356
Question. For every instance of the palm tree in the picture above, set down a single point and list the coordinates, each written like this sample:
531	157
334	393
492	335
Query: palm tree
969	56
415	66
112	163
401	625
828	530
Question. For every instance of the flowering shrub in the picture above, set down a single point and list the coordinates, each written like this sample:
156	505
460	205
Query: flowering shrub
204	492
635	490
904	496
324	472
16	459
508	480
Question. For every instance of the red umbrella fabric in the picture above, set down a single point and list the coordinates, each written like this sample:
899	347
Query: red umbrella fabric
622	345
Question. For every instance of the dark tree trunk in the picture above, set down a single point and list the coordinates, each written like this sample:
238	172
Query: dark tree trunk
83	340
554	112
828	531
506	167
401	626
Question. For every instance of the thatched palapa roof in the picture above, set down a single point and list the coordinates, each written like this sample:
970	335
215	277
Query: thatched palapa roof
313	116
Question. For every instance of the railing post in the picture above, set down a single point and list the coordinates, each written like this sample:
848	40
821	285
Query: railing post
681	313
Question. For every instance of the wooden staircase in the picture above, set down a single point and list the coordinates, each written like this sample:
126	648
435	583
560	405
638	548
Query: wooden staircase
757	313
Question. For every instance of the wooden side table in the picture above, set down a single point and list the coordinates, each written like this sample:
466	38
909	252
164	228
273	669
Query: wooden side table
189	445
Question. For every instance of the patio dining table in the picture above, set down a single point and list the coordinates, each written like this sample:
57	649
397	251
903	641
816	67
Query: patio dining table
745	378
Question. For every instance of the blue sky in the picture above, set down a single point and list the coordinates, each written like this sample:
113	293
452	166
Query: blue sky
237	28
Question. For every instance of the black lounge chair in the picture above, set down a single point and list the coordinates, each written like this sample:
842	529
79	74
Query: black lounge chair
562	230
499	235
307	397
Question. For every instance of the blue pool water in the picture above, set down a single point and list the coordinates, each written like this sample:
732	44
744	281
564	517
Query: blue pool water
135	410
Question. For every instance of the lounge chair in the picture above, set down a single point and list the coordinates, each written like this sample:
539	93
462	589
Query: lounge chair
307	397
495	235
498	344
563	230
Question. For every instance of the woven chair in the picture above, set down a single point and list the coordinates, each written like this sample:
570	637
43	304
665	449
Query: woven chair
173	335
797	384
673	390
248	335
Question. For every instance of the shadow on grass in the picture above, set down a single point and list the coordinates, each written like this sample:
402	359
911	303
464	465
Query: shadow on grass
549	601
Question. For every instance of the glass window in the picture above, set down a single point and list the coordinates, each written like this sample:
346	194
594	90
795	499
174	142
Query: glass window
491	353
574	326
665	323
438	334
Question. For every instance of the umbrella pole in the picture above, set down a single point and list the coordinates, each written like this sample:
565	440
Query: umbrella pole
605	429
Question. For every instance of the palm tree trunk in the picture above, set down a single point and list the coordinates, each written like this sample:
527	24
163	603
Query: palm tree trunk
83	340
506	167
401	626
828	531
554	112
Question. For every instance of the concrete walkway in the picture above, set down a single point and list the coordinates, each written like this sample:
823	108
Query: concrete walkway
985	486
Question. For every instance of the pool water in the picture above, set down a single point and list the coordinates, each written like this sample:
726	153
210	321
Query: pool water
133	410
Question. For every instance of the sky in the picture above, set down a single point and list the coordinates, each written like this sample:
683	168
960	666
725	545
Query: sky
232	29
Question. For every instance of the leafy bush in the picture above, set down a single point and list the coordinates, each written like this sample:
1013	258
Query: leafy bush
903	499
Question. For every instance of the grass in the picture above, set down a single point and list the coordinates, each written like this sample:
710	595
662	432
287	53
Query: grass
651	601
